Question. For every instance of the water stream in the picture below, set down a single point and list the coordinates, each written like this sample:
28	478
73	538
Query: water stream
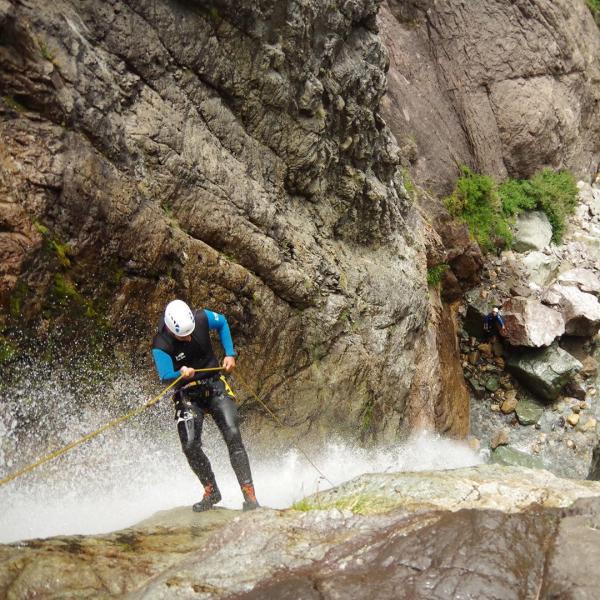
129	473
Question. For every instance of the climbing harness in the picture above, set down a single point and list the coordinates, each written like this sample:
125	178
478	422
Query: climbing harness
137	411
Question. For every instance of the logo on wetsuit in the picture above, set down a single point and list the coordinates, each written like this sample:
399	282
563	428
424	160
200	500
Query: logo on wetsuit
180	356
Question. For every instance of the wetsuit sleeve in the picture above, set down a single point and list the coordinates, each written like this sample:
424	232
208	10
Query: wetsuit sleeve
164	366
500	321
219	322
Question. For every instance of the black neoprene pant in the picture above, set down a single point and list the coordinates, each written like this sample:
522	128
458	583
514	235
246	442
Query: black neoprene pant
191	406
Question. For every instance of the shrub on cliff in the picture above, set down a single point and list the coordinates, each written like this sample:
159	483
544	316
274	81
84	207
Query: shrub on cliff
594	6
554	192
475	200
489	209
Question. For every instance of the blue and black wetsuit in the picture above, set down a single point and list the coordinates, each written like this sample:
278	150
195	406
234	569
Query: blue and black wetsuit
204	393
493	323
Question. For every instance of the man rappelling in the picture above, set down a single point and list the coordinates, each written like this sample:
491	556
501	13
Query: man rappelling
181	347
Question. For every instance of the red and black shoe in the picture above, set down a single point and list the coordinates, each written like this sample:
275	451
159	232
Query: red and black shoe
250	501
212	495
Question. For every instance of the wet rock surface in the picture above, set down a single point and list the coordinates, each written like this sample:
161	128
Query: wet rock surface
483	531
544	372
248	171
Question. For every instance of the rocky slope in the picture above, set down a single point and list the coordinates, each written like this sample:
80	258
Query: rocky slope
487	531
535	390
234	157
504	87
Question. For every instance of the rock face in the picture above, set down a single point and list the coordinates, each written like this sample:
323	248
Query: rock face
532	231
369	538
231	156
530	323
545	371
541	268
581	311
585	279
506	87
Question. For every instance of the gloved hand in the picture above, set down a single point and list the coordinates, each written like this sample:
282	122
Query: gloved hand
187	372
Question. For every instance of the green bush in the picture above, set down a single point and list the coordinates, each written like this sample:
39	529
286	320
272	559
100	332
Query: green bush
475	200
594	6
556	195
435	274
489	209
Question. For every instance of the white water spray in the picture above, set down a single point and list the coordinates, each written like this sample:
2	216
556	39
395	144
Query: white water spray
126	475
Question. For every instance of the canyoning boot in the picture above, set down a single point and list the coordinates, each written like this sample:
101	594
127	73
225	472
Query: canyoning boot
250	501
212	495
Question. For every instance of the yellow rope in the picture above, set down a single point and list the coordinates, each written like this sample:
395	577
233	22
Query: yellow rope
137	411
249	390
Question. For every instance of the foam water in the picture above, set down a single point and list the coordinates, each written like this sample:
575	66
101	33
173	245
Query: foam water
127	474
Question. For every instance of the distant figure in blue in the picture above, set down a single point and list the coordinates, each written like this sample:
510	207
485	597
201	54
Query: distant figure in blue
493	323
181	347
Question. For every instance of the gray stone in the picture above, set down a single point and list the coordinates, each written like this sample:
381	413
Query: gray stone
572	566
545	371
507	455
585	279
500	438
187	146
530	323
532	231
439	523
528	411
581	311
492	384
541	268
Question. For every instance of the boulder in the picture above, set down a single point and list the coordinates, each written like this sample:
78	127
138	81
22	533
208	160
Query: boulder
500	438
532	231
509	456
530	323
541	268
590	367
585	279
581	311
529	411
590	242
544	371
509	405
492	384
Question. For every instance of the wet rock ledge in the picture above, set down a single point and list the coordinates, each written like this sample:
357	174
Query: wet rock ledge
486	531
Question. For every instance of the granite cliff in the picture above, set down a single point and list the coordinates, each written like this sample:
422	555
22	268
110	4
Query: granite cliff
234	157
239	157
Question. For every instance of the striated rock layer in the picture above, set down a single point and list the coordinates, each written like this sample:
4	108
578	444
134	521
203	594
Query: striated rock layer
230	155
482	532
504	87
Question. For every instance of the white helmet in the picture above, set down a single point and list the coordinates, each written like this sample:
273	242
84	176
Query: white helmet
179	318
